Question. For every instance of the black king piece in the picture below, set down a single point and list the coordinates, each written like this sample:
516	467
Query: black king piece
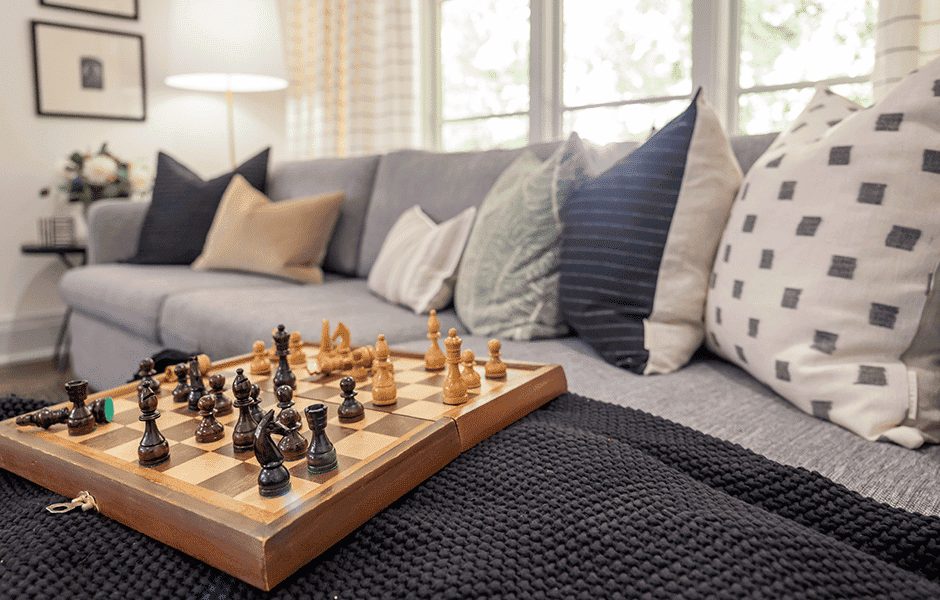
243	437
283	376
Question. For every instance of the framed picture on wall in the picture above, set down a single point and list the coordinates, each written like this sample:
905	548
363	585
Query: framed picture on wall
125	9
90	73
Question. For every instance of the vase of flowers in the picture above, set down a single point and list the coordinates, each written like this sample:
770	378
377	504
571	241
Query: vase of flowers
89	177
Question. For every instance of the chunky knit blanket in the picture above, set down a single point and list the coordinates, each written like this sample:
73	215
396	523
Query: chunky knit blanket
580	499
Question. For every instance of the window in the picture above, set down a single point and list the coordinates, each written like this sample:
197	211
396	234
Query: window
788	46
484	73
627	64
519	71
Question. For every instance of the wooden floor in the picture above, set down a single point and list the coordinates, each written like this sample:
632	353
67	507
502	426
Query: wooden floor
38	379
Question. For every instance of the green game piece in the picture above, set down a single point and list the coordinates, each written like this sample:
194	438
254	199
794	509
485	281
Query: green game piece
103	410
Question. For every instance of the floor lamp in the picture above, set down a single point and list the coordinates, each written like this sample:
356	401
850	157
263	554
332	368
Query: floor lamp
226	46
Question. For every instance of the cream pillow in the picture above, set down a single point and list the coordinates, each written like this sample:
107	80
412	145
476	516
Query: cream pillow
824	287
286	239
419	258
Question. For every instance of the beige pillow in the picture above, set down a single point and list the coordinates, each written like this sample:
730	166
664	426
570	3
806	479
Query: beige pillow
285	239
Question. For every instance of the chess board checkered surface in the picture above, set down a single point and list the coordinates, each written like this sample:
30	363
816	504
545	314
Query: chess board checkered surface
204	500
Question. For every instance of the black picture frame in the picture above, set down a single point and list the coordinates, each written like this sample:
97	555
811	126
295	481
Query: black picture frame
90	73
97	7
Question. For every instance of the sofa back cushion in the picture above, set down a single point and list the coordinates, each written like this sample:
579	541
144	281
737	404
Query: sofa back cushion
354	176
748	148
442	184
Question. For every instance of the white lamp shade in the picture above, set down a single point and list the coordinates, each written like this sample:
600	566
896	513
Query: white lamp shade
226	45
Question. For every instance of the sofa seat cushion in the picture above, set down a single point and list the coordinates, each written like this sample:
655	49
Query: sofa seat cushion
720	399
131	296
224	323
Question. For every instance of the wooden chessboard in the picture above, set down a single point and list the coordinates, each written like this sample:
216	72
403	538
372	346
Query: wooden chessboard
205	501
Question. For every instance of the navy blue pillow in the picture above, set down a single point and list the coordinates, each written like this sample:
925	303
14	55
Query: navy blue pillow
180	215
613	237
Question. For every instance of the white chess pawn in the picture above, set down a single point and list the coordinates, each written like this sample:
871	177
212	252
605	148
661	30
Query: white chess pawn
495	367
469	374
260	364
384	391
297	355
434	358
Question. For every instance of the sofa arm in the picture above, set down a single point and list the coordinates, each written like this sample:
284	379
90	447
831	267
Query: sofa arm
113	229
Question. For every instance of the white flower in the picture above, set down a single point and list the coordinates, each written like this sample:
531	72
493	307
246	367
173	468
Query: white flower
100	170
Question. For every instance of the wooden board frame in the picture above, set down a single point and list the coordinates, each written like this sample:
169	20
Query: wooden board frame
264	549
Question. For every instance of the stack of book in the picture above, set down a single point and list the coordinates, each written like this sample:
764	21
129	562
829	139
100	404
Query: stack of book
57	231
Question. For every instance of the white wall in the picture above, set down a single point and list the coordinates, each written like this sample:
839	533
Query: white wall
187	125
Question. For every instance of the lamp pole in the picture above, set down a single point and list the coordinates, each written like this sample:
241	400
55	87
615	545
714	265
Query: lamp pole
231	127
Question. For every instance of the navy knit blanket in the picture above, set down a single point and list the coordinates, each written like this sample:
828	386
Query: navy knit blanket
580	499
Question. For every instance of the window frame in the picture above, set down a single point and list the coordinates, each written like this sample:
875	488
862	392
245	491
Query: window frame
716	49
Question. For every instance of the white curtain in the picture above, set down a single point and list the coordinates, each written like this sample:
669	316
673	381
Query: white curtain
353	73
907	37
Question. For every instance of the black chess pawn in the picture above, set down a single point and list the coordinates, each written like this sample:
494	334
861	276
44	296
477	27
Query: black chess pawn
153	449
147	374
293	445
45	418
197	389
181	391
274	478
283	375
209	429
256	412
81	421
351	409
321	455
243	435
223	404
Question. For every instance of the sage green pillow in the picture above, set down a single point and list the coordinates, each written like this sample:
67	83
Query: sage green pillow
507	286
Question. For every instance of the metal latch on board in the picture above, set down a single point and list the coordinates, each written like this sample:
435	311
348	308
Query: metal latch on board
84	501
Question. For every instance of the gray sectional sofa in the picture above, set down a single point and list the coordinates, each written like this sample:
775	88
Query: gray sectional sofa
124	312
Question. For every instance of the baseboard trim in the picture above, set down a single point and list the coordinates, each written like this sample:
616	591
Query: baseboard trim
27	338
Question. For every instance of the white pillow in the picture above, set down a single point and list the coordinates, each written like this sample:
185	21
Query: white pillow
825	283
417	263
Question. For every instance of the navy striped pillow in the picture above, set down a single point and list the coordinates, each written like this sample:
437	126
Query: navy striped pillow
613	240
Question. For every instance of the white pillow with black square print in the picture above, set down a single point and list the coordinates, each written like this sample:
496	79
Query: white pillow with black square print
824	283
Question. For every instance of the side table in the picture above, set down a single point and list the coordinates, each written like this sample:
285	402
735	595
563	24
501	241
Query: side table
63	251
